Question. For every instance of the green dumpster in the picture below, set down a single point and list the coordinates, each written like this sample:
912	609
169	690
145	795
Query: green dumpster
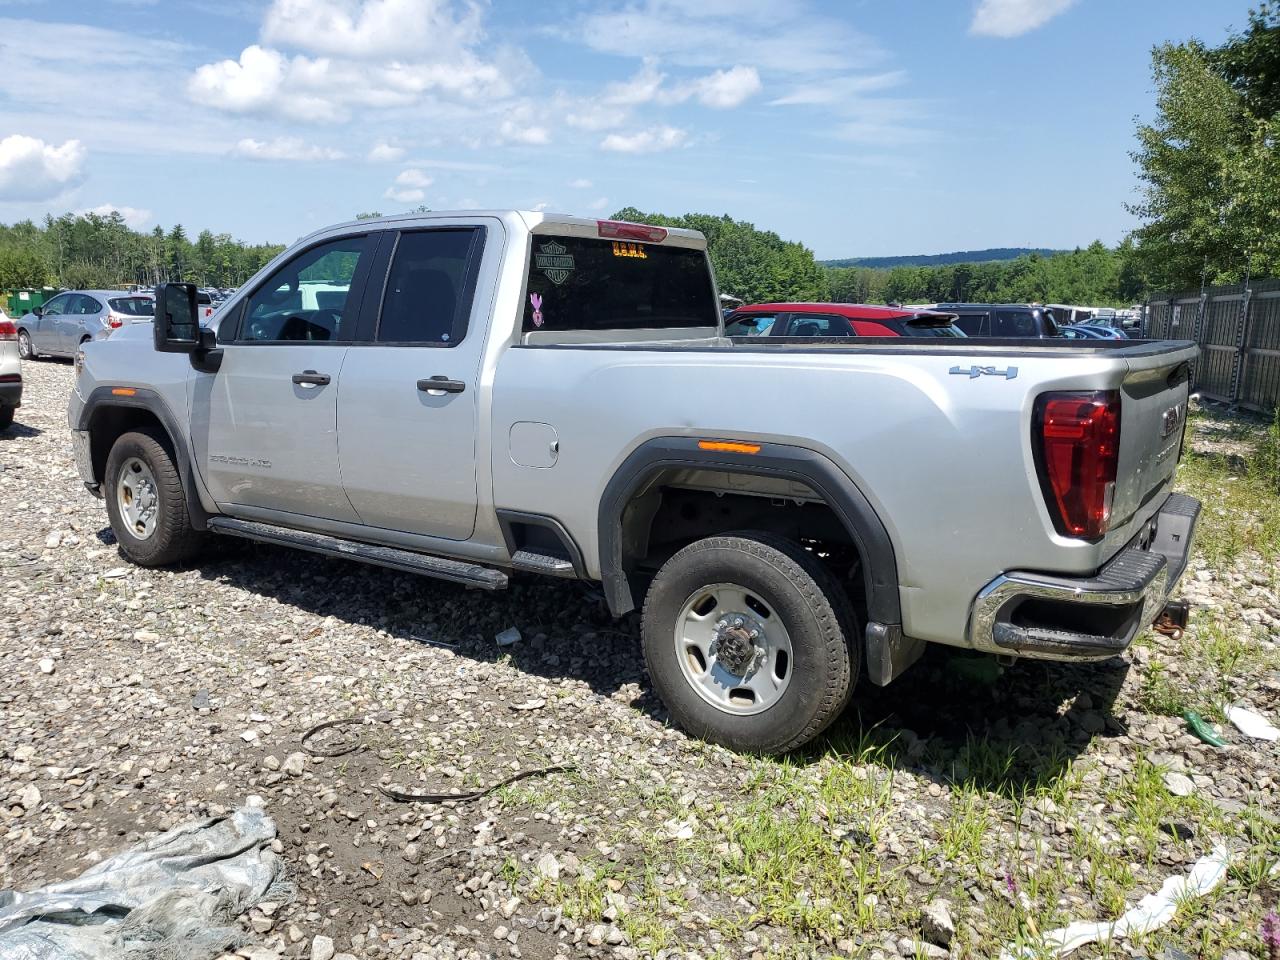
22	302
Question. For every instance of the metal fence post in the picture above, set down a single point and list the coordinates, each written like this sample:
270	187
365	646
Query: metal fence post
1242	339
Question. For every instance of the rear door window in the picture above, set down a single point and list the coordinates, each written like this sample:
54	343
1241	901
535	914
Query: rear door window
818	325
1013	323
589	284
429	287
973	324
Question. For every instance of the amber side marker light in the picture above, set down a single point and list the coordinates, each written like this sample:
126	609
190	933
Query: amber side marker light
726	446
123	391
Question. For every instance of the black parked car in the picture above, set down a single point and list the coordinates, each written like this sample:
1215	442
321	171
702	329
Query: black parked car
1003	319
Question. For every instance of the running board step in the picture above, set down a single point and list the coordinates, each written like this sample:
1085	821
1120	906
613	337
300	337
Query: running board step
531	562
456	571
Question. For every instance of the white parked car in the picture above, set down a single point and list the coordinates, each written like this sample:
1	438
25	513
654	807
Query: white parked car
10	371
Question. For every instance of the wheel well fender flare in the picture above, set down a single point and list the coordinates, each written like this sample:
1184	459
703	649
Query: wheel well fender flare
103	399
833	485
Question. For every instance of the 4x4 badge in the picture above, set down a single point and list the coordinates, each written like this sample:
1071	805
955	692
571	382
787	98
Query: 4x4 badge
555	261
975	371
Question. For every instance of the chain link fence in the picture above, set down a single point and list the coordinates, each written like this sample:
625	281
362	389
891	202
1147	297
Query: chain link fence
1238	330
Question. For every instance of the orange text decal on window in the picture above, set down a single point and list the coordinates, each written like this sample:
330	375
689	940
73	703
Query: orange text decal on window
629	250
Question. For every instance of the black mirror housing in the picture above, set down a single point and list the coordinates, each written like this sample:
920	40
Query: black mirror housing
177	320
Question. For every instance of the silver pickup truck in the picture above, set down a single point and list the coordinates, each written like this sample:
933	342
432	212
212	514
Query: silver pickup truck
469	395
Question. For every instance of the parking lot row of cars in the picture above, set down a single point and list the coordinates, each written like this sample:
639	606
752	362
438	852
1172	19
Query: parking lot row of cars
826	320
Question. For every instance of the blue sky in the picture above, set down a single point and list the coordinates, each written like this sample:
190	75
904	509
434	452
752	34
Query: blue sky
861	128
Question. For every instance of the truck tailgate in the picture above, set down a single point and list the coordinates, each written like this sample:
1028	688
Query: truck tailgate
1153	414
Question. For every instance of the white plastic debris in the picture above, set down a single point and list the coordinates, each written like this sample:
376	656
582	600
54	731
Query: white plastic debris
174	896
507	637
1251	724
1153	911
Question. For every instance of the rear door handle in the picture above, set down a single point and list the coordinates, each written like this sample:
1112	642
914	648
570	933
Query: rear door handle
439	384
309	378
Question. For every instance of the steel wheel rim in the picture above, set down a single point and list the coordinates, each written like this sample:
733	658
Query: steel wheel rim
138	497
735	672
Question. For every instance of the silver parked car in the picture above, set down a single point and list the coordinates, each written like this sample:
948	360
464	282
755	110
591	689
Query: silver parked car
78	316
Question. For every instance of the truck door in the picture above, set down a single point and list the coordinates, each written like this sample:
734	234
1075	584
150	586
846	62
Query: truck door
408	403
264	425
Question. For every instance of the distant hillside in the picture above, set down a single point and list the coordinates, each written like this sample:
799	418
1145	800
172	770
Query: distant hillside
941	259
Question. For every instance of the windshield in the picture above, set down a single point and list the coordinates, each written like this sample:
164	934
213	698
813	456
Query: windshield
581	283
134	306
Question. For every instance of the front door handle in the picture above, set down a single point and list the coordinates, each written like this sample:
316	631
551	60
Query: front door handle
439	384
309	378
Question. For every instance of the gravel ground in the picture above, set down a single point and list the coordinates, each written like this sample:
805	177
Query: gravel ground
963	808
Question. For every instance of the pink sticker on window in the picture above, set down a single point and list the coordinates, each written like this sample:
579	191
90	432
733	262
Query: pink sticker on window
535	300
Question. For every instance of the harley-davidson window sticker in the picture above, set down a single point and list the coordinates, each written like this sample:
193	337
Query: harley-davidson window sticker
555	262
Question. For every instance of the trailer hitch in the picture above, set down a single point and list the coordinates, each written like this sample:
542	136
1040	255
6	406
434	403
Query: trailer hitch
1173	619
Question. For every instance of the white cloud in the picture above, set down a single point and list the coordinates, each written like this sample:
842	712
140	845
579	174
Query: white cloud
405	196
31	169
835	90
540	206
284	148
413	177
598	204
641	88
714	32
250	83
383	152
725	89
645	141
134	217
580	184
1013	18
534	135
589	115
372	29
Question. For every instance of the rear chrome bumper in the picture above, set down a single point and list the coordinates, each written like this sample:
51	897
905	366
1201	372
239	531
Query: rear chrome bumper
1052	617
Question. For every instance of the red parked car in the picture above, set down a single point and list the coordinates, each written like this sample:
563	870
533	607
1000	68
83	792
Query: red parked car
838	320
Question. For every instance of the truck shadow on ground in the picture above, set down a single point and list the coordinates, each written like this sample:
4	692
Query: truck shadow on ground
957	718
20	431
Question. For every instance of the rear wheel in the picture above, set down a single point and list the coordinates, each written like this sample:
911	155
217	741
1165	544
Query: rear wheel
6	417
145	501
25	348
747	640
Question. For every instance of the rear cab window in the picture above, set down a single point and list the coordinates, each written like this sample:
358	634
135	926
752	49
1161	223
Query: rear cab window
582	289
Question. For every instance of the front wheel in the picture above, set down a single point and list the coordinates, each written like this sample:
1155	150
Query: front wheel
747	640
145	501
25	348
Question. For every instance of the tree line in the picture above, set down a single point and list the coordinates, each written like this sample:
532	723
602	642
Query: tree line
90	250
1209	162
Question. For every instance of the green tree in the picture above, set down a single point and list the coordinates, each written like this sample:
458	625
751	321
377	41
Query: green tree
756	265
1210	161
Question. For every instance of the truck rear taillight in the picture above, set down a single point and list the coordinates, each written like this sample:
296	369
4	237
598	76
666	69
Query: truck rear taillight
1076	438
8	330
616	230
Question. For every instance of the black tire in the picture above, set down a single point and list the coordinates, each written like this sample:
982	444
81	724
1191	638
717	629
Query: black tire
6	417
26	349
173	539
815	610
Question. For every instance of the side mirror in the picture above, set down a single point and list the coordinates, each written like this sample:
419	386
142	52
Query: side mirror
177	322
38	311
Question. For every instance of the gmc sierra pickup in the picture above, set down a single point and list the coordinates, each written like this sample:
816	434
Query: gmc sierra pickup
467	395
